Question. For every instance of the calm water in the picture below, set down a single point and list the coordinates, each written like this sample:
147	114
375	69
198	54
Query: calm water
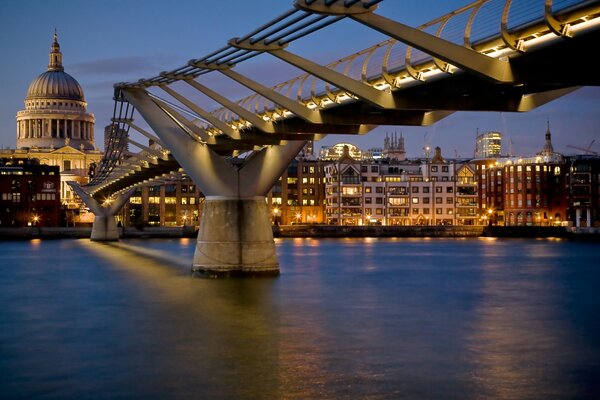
347	319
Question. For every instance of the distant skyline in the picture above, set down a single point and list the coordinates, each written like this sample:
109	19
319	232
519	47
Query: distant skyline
113	41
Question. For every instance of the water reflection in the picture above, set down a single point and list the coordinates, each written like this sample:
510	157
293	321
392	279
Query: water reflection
203	323
521	345
346	319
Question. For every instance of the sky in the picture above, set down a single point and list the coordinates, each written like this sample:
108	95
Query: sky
109	41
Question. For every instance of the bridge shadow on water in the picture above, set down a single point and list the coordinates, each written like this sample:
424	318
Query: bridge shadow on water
209	338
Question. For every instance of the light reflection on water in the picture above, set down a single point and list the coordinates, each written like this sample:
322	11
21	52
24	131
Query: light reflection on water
350	318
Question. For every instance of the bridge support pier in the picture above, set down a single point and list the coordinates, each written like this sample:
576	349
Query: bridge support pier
235	237
104	228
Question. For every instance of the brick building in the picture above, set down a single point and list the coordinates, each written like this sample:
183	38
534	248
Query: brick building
29	193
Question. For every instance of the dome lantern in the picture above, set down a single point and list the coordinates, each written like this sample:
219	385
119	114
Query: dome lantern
55	63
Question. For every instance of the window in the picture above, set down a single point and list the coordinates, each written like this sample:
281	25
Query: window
434	168
66	165
426	200
379	200
449	189
426	189
438	189
374	168
378	189
445	168
438	200
556	170
367	189
415	200
415	189
449	200
368	200
438	211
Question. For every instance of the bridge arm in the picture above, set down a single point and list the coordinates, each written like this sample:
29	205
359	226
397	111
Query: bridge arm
190	127
261	171
141	130
530	101
210	172
119	201
463	57
234	107
361	90
146	148
94	205
216	122
300	110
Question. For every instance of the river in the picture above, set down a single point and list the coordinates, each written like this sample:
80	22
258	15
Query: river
476	318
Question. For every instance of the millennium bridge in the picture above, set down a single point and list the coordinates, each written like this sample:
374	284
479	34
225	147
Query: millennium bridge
490	55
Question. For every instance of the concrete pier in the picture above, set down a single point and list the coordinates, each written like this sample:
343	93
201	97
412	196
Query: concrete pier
235	239
104	229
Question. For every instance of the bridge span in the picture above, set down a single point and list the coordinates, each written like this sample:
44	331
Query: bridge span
490	55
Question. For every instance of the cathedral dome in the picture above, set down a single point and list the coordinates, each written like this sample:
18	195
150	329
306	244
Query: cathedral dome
55	85
55	112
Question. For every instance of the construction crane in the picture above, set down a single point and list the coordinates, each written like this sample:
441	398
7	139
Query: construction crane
587	150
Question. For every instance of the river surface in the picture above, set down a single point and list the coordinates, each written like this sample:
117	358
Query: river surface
346	319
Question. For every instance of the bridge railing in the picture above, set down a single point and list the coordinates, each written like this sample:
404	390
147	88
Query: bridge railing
488	26
393	64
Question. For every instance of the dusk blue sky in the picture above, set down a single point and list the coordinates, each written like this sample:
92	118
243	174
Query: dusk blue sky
104	42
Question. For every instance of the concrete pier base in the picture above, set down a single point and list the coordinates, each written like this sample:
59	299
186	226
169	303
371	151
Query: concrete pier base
235	239
105	229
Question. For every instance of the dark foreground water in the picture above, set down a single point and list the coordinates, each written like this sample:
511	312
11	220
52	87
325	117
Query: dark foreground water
347	319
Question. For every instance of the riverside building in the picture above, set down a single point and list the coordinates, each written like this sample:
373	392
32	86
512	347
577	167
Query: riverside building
400	192
29	193
521	191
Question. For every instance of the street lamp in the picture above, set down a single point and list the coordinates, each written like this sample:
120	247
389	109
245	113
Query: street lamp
490	212
275	212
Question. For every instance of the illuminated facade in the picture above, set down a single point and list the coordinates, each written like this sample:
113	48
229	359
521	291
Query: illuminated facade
523	191
411	192
298	196
337	150
488	144
176	201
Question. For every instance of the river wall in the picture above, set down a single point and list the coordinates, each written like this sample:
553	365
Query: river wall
317	231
